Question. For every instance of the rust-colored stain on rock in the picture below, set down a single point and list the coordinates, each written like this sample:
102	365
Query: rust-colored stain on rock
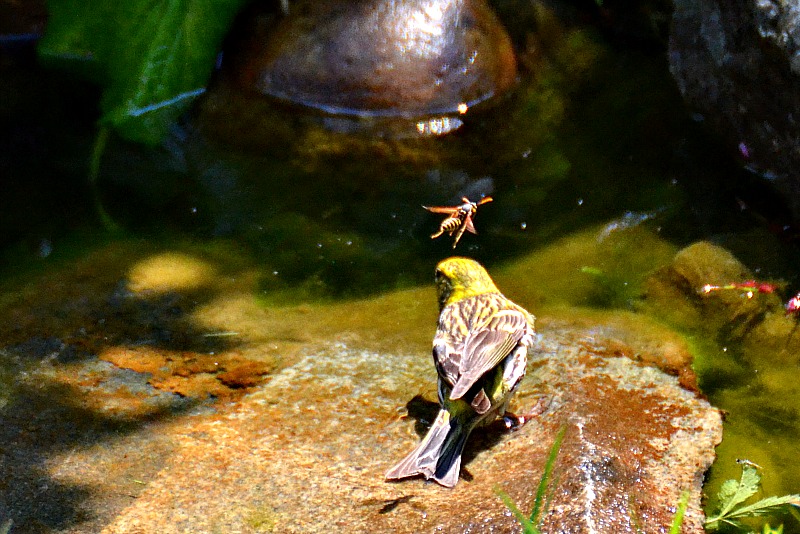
191	374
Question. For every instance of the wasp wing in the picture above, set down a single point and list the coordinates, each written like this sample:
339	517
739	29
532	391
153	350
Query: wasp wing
449	210
468	226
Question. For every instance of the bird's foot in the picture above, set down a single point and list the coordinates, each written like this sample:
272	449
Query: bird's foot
514	422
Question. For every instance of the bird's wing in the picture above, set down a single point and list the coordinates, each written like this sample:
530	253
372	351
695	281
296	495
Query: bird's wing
487	346
447	361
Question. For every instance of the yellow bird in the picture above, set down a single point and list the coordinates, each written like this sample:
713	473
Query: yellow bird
480	351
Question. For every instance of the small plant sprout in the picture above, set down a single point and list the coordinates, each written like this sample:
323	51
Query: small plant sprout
530	524
793	310
751	287
733	495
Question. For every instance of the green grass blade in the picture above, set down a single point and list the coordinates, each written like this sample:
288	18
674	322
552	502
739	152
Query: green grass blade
677	521
541	491
527	526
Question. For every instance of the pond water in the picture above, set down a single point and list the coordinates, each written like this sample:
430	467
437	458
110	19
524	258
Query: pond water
593	143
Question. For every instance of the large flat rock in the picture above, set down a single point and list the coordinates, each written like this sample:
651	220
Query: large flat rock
150	391
307	452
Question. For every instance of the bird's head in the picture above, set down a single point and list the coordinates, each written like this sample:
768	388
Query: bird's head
459	278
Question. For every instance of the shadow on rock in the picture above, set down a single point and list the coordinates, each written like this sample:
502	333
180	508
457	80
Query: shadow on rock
481	439
47	420
98	360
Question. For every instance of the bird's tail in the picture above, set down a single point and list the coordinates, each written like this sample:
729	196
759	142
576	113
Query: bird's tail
438	456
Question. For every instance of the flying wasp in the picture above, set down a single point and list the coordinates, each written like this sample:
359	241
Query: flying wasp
459	218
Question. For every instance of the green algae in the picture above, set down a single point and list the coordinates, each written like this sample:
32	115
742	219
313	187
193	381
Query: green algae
601	267
263	520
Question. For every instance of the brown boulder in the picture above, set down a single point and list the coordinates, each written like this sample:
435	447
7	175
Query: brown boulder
388	58
307	452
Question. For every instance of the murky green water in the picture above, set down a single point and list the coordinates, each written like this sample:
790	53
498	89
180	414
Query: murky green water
593	144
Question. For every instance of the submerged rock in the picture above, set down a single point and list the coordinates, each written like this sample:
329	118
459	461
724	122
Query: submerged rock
758	320
428	61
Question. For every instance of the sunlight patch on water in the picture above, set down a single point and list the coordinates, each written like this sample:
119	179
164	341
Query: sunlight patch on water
169	271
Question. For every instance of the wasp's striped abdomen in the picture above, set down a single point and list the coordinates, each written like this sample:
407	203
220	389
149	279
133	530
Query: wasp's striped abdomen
449	225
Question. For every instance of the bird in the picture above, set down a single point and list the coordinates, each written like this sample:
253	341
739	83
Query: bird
480	353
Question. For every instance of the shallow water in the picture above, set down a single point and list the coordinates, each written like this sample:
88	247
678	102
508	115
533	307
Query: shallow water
598	174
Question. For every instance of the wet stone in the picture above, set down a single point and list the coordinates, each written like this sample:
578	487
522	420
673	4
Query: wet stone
407	59
290	424
736	64
758	320
327	428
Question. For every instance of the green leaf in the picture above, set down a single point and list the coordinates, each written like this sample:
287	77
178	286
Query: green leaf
151	57
733	493
765	506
